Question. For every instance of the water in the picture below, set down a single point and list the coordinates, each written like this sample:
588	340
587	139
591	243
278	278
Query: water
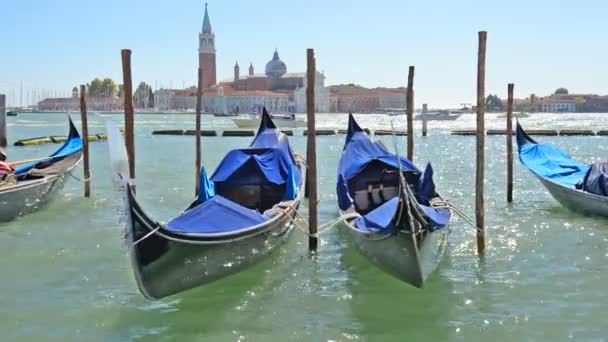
66	275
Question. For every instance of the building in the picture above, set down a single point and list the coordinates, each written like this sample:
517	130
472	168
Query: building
557	104
64	104
276	88
353	98
206	52
175	99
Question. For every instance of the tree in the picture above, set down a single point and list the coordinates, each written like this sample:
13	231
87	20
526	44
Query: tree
96	88
494	104
109	87
561	91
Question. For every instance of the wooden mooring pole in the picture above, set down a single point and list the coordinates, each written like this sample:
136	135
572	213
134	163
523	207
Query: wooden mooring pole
410	113
311	151
199	104
3	141
129	120
479	175
425	110
85	141
510	143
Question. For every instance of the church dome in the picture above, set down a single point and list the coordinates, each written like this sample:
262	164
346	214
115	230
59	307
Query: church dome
275	68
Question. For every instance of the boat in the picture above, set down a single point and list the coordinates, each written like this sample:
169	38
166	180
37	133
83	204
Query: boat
281	120
224	114
34	183
12	113
395	113
243	212
577	186
390	208
440	115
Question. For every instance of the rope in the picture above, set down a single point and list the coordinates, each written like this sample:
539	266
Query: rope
83	179
322	229
447	205
146	236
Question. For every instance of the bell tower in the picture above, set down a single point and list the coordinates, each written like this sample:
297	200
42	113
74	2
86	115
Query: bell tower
237	71
206	52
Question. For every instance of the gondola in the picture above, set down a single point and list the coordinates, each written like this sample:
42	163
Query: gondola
243	212
390	208
34	183
579	187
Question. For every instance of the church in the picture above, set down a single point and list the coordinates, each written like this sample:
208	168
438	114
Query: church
276	89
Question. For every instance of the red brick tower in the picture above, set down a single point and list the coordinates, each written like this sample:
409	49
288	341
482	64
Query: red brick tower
206	52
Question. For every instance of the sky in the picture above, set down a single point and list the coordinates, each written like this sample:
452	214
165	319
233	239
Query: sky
539	45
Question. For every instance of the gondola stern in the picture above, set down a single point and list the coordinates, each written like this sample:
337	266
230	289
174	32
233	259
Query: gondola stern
353	127
266	122
73	133
522	137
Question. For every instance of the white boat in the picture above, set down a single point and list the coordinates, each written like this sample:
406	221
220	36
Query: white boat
281	120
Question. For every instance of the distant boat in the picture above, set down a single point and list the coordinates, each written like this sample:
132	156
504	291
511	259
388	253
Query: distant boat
12	113
395	113
282	120
224	114
440	115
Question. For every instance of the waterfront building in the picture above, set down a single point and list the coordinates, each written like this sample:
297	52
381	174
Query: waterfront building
358	99
276	88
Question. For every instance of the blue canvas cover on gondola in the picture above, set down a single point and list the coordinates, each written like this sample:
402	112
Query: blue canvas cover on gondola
359	150
216	215
596	180
380	220
548	161
268	160
72	146
269	155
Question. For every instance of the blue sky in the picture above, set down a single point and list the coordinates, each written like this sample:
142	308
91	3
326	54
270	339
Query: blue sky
539	45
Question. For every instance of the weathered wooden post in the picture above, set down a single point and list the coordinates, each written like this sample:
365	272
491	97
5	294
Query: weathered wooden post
479	175
85	141
510	143
425	109
198	162
311	150
3	142
129	120
410	113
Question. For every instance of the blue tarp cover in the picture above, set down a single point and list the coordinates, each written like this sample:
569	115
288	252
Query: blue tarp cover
71	146
596	180
380	220
548	161
206	188
270	154
216	215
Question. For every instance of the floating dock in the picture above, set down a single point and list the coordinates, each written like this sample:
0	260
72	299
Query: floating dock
54	139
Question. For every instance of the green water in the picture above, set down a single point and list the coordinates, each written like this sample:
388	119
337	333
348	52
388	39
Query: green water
66	275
